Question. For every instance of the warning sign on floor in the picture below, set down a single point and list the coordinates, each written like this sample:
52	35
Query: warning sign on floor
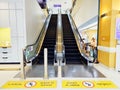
88	84
31	84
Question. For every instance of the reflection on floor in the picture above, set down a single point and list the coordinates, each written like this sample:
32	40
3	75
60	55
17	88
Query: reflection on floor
67	71
81	71
38	71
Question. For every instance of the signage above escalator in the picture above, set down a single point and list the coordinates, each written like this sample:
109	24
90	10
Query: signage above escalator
57	5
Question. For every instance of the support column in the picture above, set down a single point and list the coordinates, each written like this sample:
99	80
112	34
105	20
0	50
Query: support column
109	12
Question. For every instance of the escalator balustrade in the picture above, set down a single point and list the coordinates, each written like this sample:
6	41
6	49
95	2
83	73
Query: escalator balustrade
49	43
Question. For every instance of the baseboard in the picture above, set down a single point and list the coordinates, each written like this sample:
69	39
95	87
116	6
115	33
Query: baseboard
10	66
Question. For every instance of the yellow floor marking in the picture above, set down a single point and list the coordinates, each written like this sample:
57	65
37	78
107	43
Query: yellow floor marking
88	84
31	84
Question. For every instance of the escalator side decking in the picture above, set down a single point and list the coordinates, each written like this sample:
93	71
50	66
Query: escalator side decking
49	43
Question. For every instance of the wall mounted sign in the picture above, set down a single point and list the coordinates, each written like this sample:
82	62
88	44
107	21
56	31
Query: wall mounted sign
57	5
118	28
5	37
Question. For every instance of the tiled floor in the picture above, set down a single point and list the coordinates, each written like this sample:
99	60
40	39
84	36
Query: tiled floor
110	74
37	71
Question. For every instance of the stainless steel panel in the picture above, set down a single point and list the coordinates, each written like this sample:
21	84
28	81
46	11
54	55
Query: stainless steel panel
38	71
80	71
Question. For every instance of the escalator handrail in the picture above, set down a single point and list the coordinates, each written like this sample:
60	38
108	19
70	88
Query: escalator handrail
41	33
76	28
59	33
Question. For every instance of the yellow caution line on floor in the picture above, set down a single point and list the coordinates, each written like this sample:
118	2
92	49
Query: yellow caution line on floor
31	84
65	84
88	84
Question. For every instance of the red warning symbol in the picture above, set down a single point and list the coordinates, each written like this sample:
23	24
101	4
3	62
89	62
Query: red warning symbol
30	84
88	84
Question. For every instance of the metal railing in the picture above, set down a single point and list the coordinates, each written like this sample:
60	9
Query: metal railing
59	34
59	47
45	63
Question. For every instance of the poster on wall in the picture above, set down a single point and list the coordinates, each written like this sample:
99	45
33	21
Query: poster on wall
118	28
5	37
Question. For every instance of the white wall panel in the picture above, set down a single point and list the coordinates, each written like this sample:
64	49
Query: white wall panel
118	58
19	4
13	23
87	10
4	18
35	19
12	5
14	49
20	47
0	57
20	24
3	5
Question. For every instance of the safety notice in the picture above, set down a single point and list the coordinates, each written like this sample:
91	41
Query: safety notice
88	84
31	84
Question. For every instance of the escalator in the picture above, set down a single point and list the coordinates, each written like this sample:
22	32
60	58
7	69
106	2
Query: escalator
49	43
72	53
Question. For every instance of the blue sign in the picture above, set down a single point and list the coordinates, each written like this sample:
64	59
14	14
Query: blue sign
118	28
57	5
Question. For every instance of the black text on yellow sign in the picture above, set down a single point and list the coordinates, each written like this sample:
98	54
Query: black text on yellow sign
88	84
31	84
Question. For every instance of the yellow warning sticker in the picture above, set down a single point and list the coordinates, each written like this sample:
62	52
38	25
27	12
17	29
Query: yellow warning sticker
71	84
88	84
31	84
